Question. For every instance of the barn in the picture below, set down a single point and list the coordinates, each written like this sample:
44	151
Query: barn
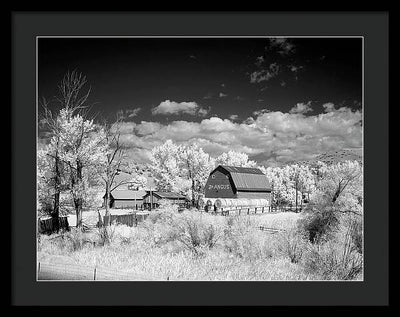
152	199
124	198
237	182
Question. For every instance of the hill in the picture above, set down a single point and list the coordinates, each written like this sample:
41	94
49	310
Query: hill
333	157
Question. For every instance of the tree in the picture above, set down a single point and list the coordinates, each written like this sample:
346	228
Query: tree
114	155
290	183
165	166
182	169
83	149
341	185
197	166
233	158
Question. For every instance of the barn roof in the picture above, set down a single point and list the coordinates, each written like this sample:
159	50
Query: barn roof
128	194
167	195
238	169
248	179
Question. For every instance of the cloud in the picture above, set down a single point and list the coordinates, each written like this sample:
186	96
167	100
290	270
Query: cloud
272	137
222	95
127	113
282	46
301	108
208	96
259	60
264	75
168	107
295	68
133	112
329	107
233	117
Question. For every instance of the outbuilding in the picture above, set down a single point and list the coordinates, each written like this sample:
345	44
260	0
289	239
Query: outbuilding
125	198
152	199
237	182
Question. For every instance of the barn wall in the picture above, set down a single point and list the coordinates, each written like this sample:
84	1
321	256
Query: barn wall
147	199
219	185
128	203
253	195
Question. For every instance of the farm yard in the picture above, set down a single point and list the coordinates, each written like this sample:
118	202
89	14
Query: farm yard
186	214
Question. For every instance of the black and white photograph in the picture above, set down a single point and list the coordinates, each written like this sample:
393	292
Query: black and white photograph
216	158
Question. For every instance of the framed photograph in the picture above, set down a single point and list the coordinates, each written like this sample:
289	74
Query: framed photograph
231	161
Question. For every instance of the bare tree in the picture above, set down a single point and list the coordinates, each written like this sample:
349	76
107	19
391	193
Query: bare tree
113	162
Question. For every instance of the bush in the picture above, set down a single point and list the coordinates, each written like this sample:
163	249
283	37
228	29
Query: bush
292	244
196	232
338	258
319	223
242	239
106	234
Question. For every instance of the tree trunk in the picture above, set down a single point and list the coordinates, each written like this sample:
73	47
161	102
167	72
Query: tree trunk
78	201
55	215
296	195
193	192
107	204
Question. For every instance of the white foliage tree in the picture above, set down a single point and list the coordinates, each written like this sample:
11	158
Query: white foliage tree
182	169
83	149
197	166
233	158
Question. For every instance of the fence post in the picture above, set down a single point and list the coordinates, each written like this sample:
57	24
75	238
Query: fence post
94	274
39	268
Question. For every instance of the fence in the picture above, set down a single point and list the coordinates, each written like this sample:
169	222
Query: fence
47	226
128	219
271	230
250	210
50	271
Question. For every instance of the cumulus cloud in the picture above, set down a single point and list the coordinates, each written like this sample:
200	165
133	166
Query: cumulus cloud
301	108
222	95
168	107
272	137
233	117
329	107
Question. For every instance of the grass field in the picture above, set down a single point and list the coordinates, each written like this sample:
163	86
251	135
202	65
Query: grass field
187	246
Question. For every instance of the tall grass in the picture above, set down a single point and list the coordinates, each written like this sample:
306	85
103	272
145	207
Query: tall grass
191	245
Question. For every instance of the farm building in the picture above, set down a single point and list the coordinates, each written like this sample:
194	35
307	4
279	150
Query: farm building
237	182
123	198
152	199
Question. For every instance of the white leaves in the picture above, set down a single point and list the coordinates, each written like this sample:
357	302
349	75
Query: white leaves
179	168
233	158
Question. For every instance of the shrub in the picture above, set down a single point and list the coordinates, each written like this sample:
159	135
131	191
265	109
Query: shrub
196	232
106	234
319	223
337	258
243	240
292	244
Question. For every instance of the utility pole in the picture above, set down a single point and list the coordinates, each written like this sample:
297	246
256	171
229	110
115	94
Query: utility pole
151	199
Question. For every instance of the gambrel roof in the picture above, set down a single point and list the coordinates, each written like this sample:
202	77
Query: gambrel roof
246	178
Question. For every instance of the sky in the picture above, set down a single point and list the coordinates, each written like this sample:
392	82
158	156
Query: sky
276	99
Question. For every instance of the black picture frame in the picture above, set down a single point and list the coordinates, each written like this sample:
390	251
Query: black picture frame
373	26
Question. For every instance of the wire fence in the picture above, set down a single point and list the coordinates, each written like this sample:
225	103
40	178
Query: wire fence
72	272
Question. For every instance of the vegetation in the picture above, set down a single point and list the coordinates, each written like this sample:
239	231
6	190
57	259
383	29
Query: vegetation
322	242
